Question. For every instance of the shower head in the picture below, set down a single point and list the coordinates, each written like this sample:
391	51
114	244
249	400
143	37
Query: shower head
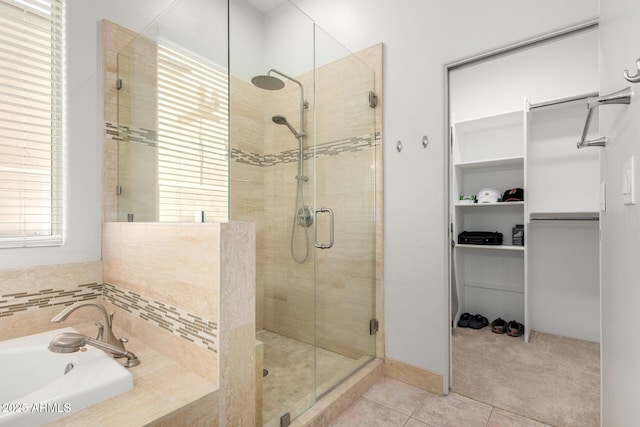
270	82
267	82
282	120
279	120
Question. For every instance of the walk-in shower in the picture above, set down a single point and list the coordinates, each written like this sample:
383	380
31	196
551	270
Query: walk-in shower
302	214
200	136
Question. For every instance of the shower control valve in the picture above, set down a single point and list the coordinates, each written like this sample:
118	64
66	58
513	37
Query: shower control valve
305	217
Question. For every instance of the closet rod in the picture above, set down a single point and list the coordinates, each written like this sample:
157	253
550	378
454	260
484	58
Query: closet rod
622	96
563	100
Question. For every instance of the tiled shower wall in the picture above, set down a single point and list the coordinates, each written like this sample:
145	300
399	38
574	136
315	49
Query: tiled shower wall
263	167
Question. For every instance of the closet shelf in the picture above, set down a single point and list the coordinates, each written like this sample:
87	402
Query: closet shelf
489	121
487	205
502	162
492	247
493	286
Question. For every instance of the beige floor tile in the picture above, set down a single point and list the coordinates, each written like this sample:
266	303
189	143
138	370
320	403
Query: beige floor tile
452	411
396	395
505	419
365	413
412	422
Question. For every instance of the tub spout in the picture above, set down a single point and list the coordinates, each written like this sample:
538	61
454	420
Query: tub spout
105	334
70	342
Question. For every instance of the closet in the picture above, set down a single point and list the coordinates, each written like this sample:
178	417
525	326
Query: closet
515	120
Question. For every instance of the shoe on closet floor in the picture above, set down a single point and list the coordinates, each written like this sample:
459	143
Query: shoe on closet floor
499	326
515	329
464	320
478	322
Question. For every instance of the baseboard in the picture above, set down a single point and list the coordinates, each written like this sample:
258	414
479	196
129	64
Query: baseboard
412	375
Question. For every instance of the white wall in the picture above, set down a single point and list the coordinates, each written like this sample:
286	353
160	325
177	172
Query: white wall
288	40
420	37
83	130
246	41
621	223
195	26
565	67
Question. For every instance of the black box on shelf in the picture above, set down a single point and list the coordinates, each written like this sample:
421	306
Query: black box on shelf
517	236
480	238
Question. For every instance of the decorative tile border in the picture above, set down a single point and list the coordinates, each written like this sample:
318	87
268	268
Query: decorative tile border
201	332
125	133
332	148
22	301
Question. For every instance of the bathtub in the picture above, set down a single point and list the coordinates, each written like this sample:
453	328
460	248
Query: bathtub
38	386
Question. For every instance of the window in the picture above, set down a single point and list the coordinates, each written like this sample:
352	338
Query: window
193	123
31	38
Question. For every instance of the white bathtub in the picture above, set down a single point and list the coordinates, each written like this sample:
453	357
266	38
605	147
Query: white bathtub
34	388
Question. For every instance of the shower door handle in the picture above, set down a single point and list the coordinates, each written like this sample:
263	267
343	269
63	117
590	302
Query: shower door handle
315	230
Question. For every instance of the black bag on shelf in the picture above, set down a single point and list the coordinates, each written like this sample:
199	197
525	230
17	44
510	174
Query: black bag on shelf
480	238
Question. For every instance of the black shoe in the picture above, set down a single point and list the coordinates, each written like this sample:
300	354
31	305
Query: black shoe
478	322
464	320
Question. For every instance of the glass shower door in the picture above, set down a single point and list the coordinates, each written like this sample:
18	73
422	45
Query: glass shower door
344	191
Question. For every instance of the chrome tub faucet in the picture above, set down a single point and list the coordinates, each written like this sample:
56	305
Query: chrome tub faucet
105	333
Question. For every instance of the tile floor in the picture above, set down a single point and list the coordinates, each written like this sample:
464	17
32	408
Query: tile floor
391	403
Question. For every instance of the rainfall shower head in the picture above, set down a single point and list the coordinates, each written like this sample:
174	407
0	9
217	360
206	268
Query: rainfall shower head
267	82
282	120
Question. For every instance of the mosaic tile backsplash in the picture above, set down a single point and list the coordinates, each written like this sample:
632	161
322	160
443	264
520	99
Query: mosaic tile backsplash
22	301
198	330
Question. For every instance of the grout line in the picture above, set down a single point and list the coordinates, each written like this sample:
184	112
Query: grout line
384	406
490	415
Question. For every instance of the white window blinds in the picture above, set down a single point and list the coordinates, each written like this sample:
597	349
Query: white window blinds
193	124
31	48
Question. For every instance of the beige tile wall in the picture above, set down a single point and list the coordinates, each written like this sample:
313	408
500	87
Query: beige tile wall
31	297
174	264
237	325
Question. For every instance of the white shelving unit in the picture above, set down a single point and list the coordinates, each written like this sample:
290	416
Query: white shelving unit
489	152
551	283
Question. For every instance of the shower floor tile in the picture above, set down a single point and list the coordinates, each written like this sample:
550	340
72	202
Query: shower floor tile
289	386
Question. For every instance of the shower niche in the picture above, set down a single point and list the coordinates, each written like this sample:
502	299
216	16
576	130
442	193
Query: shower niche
264	120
